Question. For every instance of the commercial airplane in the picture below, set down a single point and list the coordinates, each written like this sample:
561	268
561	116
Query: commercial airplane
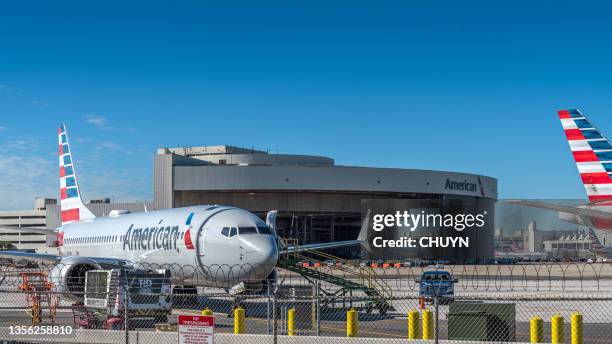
225	246
592	153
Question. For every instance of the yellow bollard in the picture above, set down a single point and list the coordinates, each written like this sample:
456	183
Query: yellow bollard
352	323
557	330
536	326
291	322
413	324
207	312
428	325
239	324
577	335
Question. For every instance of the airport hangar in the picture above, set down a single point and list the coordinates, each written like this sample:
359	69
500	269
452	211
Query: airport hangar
317	201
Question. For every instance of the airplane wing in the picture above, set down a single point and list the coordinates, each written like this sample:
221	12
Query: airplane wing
38	230
55	258
31	256
565	209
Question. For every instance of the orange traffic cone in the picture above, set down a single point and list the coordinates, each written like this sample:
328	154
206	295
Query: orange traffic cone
421	302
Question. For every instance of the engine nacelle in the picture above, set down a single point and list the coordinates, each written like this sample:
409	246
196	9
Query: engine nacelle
68	275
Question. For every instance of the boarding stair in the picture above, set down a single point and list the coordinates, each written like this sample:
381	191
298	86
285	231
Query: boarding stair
363	279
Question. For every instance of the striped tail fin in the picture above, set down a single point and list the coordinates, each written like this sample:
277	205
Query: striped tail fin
72	207
592	153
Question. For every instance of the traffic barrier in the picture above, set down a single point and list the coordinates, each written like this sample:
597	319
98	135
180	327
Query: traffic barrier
536	330
556	329
576	327
291	322
239	325
352	323
207	312
428	325
413	324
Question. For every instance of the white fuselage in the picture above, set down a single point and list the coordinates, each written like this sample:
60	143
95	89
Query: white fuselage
220	244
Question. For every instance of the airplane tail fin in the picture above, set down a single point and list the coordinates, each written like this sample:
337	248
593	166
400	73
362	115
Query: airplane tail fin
592	152
72	207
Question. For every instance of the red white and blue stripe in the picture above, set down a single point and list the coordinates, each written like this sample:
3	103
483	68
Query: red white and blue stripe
72	207
592	153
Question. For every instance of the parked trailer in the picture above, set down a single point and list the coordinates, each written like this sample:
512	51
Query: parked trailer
146	294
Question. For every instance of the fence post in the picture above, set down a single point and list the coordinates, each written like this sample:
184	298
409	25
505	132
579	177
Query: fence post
274	319
291	322
239	320
126	317
536	330
413	324
318	307
428	331
268	309
352	323
577	335
437	326
556	329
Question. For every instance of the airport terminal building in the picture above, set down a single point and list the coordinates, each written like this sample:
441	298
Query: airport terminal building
317	200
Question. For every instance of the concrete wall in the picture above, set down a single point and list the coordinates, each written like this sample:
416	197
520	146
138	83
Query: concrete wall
285	201
23	240
327	178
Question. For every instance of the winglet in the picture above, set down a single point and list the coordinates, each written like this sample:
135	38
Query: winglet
72	207
271	220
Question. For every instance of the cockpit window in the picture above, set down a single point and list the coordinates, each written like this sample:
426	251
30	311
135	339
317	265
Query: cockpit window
233	231
225	231
247	230
264	229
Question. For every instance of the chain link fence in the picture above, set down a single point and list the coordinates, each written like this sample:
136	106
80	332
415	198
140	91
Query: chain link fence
550	303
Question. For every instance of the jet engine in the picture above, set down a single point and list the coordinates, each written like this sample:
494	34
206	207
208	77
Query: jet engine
68	275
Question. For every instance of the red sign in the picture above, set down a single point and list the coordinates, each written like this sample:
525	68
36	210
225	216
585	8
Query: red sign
196	329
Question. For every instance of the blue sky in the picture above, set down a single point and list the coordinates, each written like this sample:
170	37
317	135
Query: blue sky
461	86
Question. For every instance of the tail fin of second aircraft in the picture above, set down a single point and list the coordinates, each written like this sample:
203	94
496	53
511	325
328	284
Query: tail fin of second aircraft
592	153
72	207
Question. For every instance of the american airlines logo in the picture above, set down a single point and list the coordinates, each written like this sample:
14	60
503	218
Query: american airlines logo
157	238
460	186
154	238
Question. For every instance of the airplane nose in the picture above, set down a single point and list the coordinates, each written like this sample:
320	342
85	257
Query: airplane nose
261	250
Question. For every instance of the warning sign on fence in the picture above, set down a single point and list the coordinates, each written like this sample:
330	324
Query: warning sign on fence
196	329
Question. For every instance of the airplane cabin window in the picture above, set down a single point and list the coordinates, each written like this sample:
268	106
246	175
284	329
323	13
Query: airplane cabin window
225	231
233	231
247	230
264	229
